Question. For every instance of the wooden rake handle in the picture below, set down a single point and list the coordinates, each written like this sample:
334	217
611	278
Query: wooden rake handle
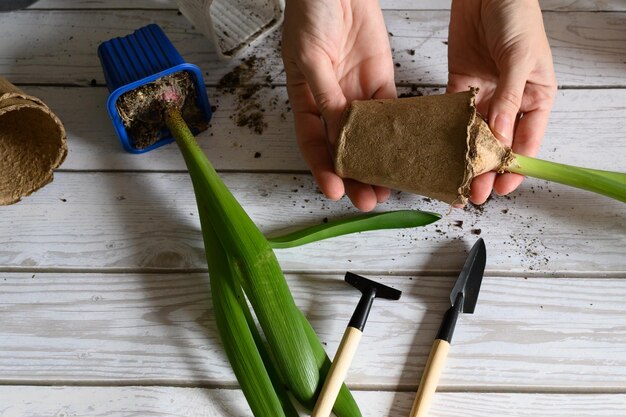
430	378
337	372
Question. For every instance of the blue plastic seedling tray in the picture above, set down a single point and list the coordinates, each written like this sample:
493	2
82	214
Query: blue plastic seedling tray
141	58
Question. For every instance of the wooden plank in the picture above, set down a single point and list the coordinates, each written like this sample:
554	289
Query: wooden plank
546	5
50	46
105	4
535	335
25	401
149	220
572	36
560	5
586	129
94	145
582	5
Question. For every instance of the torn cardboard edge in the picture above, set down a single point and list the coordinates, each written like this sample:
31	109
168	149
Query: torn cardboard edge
484	152
430	145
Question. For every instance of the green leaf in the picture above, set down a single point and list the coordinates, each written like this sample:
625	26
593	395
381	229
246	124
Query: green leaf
255	263
365	222
345	405
231	316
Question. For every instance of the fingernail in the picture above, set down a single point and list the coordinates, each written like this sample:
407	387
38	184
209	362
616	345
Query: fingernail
503	128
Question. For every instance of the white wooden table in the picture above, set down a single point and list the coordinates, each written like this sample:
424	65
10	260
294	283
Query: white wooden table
104	298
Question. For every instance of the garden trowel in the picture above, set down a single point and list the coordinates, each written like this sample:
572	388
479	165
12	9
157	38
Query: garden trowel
463	298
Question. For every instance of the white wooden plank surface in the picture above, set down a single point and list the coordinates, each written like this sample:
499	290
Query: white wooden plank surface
148	220
586	129
104	4
536	334
25	401
560	5
75	310
59	46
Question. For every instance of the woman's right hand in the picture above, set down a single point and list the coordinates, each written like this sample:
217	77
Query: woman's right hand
334	51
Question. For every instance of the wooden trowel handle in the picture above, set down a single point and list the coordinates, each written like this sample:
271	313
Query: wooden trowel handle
430	378
337	372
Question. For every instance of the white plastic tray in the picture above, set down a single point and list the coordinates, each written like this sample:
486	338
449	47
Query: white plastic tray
233	25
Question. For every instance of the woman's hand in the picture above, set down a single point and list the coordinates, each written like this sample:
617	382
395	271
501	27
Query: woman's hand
334	51
501	47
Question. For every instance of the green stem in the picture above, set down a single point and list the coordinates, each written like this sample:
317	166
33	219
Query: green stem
610	184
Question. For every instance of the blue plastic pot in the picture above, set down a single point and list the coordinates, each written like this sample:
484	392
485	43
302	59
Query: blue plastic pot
141	58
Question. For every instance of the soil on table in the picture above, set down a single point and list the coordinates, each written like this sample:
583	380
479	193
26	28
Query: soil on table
250	107
143	109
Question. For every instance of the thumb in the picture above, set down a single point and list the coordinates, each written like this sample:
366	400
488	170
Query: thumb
327	93
505	104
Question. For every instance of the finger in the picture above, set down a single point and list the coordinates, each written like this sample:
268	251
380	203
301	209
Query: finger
314	149
388	90
529	132
312	140
461	83
506	102
507	183
456	86
382	193
327	93
528	137
481	187
362	195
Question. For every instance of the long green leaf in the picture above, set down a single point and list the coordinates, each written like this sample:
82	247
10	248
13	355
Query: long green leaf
277	379
362	223
262	277
233	326
240	348
345	405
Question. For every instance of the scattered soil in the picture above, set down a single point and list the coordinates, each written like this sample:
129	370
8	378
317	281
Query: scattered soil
249	106
415	92
240	76
142	110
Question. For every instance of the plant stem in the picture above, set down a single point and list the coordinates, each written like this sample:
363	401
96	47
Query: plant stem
610	184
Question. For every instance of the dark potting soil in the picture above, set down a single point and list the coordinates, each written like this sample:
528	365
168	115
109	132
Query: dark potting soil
415	92
143	109
250	107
